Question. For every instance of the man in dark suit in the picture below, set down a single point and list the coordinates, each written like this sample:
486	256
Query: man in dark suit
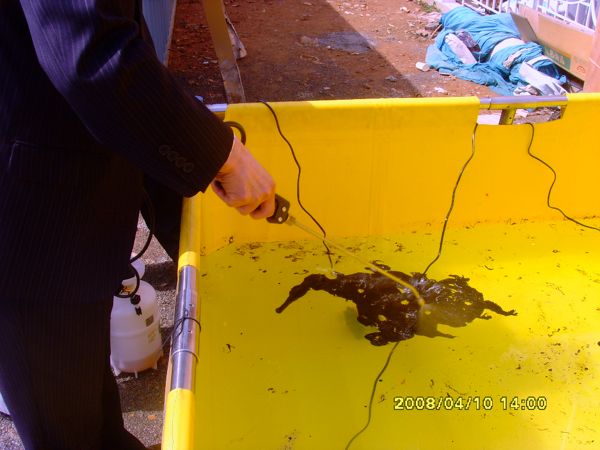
86	111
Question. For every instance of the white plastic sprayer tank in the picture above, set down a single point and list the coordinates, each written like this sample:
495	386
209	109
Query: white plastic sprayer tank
134	327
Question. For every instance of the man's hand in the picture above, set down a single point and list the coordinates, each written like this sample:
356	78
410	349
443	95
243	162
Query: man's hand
244	184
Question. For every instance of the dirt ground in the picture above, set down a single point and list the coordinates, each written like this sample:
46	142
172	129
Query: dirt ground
296	50
318	49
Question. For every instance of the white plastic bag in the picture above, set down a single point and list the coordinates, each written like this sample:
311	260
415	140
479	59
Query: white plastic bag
544	84
459	48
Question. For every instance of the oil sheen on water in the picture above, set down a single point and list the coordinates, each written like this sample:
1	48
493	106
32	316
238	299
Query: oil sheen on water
303	379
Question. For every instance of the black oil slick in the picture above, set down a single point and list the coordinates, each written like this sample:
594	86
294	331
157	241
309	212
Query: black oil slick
393	309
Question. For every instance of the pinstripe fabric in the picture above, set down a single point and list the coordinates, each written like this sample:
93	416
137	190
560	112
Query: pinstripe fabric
60	392
85	107
85	110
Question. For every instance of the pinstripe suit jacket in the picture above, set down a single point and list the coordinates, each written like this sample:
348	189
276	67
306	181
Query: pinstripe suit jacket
85	109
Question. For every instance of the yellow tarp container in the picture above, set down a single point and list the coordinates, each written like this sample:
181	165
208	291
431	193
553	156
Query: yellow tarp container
379	176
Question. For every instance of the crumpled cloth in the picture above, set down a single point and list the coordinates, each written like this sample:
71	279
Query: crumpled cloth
500	70
542	84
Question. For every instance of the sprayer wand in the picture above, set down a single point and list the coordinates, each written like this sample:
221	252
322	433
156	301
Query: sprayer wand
282	215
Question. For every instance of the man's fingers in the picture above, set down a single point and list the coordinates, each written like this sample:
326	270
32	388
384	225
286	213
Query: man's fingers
259	208
246	209
265	209
220	191
244	184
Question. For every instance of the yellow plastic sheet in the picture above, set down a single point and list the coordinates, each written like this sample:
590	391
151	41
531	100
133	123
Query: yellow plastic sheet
178	432
379	174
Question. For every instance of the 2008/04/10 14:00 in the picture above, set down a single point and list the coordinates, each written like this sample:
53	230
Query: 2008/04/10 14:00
476	403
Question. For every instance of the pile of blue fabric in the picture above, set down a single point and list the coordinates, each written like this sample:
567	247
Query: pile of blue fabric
499	68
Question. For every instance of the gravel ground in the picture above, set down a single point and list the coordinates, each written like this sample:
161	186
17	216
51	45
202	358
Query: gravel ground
142	398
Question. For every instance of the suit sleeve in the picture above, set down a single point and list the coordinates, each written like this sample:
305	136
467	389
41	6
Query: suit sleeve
93	53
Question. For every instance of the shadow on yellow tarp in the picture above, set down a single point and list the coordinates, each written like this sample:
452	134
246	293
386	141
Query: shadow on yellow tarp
378	175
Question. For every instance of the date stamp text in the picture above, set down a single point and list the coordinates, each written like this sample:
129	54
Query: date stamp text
470	403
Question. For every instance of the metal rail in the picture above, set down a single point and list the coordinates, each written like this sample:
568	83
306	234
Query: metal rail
523	102
508	105
185	331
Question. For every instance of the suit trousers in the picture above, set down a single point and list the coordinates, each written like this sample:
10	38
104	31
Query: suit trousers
55	376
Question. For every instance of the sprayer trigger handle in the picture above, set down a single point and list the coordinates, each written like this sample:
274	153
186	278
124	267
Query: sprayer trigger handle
282	210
